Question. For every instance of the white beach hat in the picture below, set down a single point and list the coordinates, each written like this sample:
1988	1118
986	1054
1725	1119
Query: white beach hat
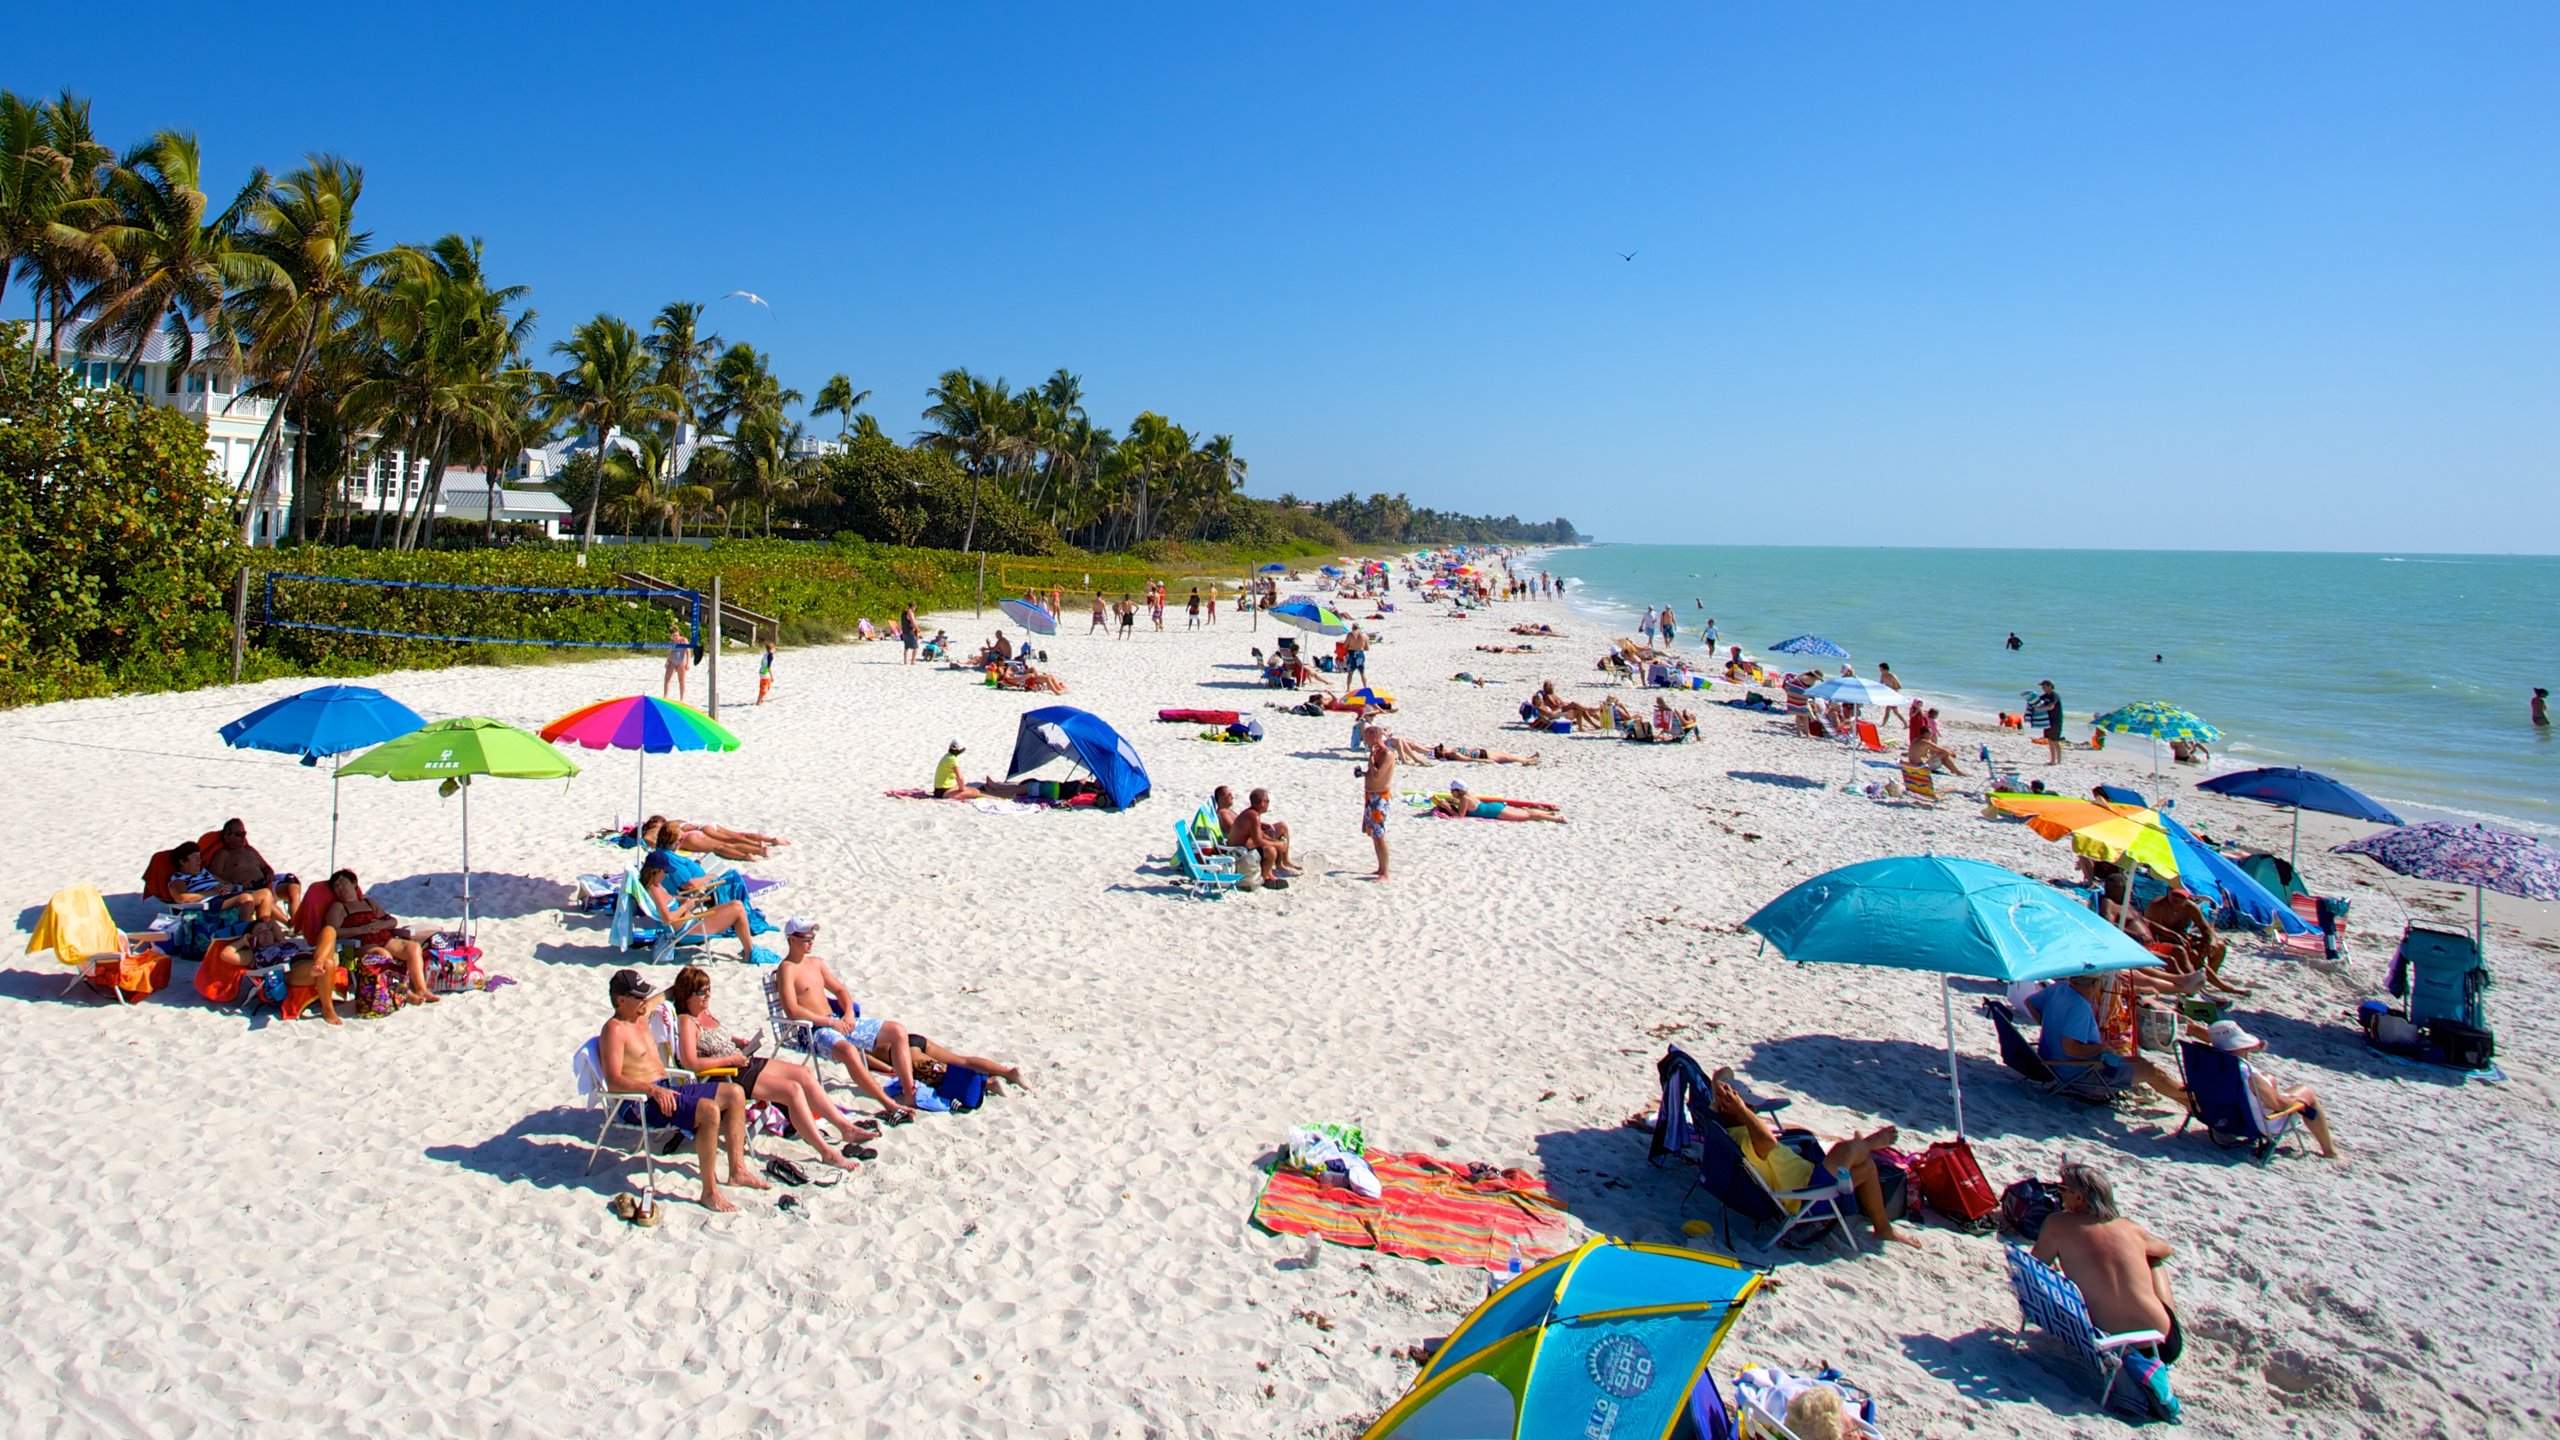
2230	1039
799	925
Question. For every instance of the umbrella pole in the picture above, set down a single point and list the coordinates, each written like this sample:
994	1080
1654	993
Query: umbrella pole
333	820
2293	857
639	800
466	859
2479	923
1947	998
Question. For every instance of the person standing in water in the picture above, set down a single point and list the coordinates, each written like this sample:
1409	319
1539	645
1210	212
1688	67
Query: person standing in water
1670	625
2541	707
2015	643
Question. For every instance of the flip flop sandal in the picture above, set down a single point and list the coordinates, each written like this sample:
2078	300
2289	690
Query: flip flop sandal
785	1171
624	1207
860	1152
897	1117
647	1218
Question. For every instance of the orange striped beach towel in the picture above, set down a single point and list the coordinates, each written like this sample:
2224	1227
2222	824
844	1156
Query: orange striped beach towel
1430	1210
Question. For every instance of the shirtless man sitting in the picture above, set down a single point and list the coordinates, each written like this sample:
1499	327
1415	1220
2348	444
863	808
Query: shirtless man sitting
2115	1262
190	880
810	992
1551	707
2176	918
1247	829
714	1112
352	915
239	863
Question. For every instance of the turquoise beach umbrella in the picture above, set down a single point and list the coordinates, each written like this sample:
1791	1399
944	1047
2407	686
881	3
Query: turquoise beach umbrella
1954	917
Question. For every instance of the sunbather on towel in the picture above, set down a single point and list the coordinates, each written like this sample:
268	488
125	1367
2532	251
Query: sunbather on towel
189	880
715	1111
1508	649
1479	755
810	991
2115	1262
2070	1040
239	863
720	840
352	916
1786	1170
2275	1101
678	907
702	1044
1460	805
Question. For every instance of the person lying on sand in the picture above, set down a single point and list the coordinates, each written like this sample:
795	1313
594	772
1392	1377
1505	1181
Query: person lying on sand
811	992
1458	804
190	880
1251	829
680	909
352	915
1541	628
1786	1170
2115	1262
1508	649
714	1112
701	839
702	1044
237	862
1479	755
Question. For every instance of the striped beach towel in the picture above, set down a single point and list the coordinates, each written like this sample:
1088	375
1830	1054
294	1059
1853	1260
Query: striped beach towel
1430	1210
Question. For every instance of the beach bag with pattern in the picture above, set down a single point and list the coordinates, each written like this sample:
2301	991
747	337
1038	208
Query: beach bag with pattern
1952	1186
2025	1204
378	988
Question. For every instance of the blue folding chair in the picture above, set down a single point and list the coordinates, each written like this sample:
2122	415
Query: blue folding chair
2218	1094
2049	1301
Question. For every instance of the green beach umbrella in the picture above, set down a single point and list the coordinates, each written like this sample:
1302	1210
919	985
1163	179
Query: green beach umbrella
453	751
2160	721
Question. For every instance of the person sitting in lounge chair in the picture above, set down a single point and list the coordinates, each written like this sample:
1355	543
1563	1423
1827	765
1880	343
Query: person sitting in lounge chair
2071	1042
2115	1262
1783	1169
352	915
714	1112
2175	918
1551	707
1458	804
238	862
2274	1101
1020	676
190	881
701	1043
678	907
809	991
1251	829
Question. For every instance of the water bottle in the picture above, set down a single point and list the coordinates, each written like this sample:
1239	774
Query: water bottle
1496	1278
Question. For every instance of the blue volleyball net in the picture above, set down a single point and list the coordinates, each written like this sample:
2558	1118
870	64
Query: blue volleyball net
441	612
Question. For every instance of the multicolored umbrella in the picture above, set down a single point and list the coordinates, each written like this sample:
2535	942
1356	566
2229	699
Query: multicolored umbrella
1307	615
453	751
328	720
644	723
2480	856
2161	722
1810	645
2096	829
2298	790
1031	615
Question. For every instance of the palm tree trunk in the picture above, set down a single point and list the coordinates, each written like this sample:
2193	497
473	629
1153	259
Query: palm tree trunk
595	491
489	515
267	445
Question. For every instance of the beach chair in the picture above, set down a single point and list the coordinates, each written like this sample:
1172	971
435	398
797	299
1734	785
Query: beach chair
1686	1119
76	927
788	1033
638	921
1919	785
2443	976
1204	873
2048	1301
1869	737
2218	1094
2019	1053
593	894
623	1110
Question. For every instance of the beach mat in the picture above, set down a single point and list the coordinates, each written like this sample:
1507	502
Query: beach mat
1430	1210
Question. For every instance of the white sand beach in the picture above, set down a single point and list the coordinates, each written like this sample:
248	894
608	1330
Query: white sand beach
222	1226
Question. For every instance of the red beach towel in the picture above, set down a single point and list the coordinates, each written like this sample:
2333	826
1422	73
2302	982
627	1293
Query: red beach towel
1430	1210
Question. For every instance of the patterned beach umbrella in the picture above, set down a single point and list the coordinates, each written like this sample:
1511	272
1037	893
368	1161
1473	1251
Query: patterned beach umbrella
1810	645
1307	615
2480	856
2159	721
643	723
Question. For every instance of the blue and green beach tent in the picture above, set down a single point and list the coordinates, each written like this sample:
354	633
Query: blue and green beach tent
1606	1340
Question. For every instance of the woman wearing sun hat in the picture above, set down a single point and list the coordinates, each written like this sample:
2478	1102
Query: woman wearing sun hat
2274	1102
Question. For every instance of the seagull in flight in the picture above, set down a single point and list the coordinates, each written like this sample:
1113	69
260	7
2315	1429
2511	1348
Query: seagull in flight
1626	254
750	297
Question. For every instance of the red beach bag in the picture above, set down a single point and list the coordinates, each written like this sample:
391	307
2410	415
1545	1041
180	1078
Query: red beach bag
1951	1183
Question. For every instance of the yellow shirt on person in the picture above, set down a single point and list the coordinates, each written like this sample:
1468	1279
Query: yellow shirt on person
946	776
1782	1167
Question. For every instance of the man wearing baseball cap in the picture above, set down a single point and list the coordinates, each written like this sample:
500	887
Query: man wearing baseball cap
712	1111
947	784
2273	1102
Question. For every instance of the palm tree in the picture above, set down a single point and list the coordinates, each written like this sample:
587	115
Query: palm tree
766	449
866	426
54	206
172	263
683	354
510	425
838	397
305	272
744	390
605	387
970	418
445	347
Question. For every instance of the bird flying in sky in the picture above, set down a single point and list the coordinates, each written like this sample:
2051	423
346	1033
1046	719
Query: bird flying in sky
749	296
1626	254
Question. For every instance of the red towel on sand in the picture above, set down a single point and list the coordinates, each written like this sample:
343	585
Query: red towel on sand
1430	1211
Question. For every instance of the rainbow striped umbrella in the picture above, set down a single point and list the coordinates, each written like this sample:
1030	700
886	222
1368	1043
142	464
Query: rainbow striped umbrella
644	723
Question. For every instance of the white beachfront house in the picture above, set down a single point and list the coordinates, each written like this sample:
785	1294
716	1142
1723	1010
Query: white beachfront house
384	478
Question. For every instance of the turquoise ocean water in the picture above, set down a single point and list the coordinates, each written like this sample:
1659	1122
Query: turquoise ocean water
2407	676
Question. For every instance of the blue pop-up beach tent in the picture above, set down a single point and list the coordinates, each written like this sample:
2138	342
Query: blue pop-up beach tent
1064	732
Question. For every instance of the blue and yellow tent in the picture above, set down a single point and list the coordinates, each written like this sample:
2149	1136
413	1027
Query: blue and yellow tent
1605	1341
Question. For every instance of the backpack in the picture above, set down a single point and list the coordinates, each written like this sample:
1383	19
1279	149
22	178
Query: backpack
964	1088
1952	1186
2025	1204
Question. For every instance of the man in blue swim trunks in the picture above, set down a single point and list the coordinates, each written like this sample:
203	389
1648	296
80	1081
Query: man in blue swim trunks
810	992
714	1112
1378	781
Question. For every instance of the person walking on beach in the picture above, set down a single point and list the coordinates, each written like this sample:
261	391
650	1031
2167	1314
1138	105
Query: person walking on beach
1193	606
907	637
1646	625
1670	626
2541	708
1709	633
1128	617
2044	712
1378	780
1885	676
1355	654
1101	615
764	673
679	659
1213	606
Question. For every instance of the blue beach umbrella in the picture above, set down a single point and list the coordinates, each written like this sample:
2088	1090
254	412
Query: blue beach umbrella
1031	615
329	720
1810	645
1307	615
1953	917
2209	872
2298	790
1275	568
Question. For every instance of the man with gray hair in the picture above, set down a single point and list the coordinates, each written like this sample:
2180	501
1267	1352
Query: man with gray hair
2115	1262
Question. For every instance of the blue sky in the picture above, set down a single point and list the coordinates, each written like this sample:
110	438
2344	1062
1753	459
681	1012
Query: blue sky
2266	276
